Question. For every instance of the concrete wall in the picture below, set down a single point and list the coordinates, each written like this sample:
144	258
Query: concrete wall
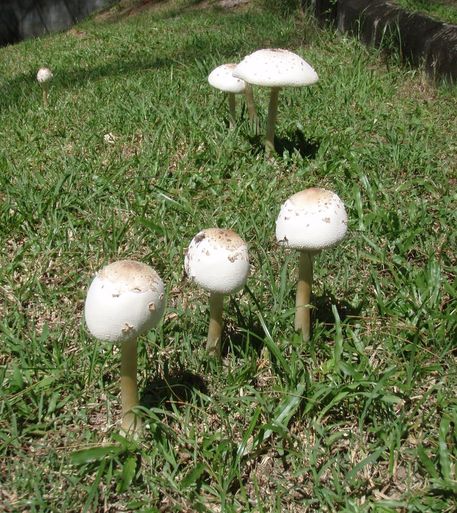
421	40
21	19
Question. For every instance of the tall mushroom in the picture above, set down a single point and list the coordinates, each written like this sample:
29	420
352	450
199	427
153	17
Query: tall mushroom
310	220
218	261
275	68
124	300
44	76
221	78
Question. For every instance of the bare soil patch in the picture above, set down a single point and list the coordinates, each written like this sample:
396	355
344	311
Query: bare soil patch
127	8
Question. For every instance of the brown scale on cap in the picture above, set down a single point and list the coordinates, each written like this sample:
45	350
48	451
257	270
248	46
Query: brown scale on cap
227	239
199	237
130	275
127	328
235	256
312	195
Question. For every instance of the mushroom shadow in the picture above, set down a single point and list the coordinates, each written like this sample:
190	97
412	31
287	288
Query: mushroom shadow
236	338
174	388
246	330
296	142
323	308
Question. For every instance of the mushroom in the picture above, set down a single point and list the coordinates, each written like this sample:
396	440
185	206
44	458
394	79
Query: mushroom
218	261
275	68
221	78
124	300
44	76
310	220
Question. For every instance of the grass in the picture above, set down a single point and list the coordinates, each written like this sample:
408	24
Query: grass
445	10
364	418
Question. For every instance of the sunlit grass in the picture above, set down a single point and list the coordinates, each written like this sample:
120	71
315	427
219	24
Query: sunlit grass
444	10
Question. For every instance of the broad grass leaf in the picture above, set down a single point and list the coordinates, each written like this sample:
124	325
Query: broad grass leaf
193	475
93	454
128	473
369	460
427	462
443	450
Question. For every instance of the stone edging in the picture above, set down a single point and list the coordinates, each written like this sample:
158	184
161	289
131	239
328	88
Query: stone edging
21	19
419	38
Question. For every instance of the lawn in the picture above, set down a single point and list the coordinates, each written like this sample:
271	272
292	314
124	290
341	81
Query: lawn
444	10
363	418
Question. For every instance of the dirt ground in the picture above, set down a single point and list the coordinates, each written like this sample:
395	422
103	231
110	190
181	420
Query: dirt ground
131	7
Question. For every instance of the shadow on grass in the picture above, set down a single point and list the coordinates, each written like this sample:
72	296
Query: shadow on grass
177	388
244	335
296	142
323	309
307	148
240	339
127	8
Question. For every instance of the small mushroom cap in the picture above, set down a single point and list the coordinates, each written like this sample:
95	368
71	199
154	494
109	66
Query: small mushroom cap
275	68
311	220
124	300
217	260
222	78
44	75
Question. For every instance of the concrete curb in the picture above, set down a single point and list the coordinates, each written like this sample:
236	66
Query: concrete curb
22	19
420	40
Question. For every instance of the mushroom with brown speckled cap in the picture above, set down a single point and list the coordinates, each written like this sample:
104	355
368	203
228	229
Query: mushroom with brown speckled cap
124	300
275	68
218	261
221	78
311	220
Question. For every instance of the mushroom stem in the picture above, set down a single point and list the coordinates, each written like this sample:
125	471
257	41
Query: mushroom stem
131	424
232	109
216	305
271	122
305	281
251	106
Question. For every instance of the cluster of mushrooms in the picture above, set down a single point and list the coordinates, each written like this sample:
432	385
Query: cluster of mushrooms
127	298
272	67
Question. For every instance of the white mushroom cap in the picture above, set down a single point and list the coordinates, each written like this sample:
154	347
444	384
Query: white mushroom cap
124	300
217	260
275	68
44	75
222	78
311	220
